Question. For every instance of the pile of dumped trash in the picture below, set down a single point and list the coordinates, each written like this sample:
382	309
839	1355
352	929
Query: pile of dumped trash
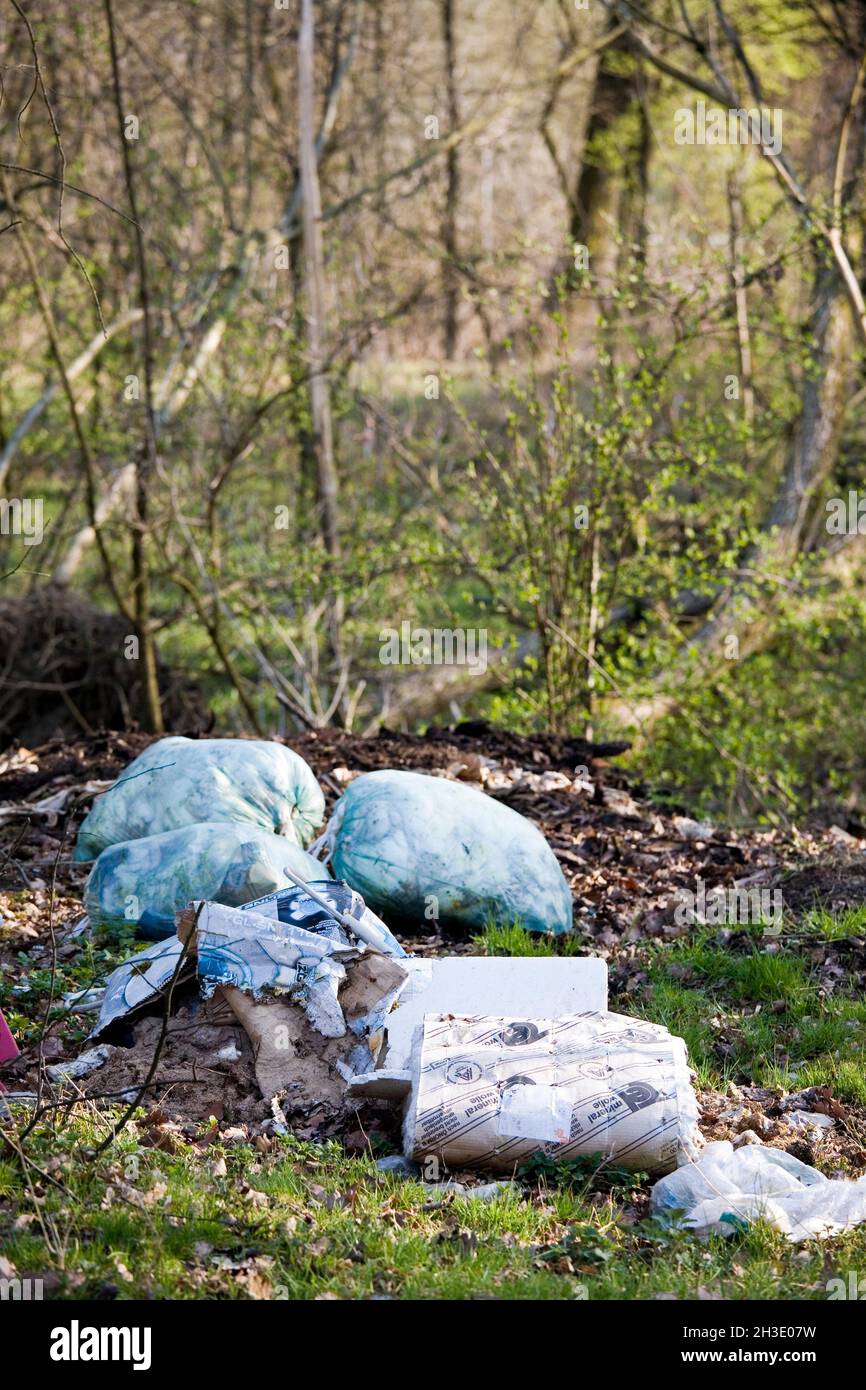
208	847
227	819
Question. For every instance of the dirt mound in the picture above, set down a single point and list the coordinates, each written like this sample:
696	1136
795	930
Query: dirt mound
439	748
64	671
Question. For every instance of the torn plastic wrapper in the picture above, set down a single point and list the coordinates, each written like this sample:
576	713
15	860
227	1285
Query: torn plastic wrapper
81	1066
727	1189
310	910
490	1091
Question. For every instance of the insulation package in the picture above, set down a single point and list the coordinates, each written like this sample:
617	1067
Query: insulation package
489	1092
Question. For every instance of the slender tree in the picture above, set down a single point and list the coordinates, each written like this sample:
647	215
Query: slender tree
314	296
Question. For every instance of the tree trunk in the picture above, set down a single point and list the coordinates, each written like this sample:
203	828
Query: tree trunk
450	271
741	307
314	287
146	464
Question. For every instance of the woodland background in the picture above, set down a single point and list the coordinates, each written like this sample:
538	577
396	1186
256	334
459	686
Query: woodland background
316	318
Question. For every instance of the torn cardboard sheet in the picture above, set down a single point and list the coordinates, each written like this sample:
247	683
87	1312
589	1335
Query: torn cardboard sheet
291	1058
521	987
141	980
294	1059
490	1091
256	961
313	1002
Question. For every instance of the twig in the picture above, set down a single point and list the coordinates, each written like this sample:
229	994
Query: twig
160	1043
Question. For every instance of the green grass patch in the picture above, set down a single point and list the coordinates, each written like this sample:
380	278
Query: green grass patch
835	926
306	1221
760	1016
515	940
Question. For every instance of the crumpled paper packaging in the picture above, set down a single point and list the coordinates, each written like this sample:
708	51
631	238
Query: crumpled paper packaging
296	923
260	954
312	1002
489	1092
261	963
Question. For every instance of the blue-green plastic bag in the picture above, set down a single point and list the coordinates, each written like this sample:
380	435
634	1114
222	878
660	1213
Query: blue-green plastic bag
419	847
183	781
147	881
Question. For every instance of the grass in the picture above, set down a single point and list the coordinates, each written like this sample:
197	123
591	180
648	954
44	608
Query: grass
760	1014
286	1218
305	1221
498	940
835	926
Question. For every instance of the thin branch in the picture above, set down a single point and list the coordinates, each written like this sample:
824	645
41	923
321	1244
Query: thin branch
69	187
40	81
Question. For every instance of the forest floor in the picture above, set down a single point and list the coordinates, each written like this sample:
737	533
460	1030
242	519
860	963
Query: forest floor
199	1197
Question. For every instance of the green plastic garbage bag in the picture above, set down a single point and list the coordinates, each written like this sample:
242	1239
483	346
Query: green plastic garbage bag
421	847
147	881
182	781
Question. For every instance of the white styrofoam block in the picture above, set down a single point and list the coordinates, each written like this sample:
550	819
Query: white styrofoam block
383	1084
521	986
